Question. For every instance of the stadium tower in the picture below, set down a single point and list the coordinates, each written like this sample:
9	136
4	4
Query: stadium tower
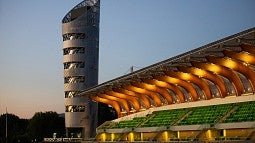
80	32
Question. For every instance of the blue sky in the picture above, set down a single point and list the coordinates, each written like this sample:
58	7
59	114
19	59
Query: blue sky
132	33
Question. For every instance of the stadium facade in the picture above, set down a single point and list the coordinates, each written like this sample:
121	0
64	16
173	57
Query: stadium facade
80	32
206	94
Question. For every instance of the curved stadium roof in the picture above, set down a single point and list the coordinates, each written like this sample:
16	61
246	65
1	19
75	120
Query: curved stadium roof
223	68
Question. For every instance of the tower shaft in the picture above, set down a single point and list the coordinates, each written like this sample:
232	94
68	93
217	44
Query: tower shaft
80	32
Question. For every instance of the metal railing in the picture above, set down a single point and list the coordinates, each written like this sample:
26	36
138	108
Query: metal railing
62	140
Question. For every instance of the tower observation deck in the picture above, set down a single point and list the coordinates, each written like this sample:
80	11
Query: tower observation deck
80	32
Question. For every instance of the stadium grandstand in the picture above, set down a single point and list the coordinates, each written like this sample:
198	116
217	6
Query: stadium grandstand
204	95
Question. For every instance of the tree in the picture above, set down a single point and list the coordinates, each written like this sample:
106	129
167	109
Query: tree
16	129
43	125
25	130
105	113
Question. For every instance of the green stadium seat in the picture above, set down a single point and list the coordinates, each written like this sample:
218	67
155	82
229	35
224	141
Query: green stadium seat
244	113
199	115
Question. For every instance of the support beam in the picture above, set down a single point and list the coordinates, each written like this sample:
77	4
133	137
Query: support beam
237	66
191	78
207	75
248	48
245	57
163	92
152	95
145	100
121	101
175	81
131	99
114	104
223	71
173	88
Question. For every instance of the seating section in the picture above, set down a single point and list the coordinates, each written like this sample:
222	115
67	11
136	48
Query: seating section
106	125
129	123
244	113
165	117
191	116
206	114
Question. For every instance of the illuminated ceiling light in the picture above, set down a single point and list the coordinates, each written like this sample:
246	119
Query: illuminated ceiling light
200	72
246	64
229	63
215	68
150	87
185	76
164	104
171	79
132	110
152	106
247	57
123	111
142	109
140	90
161	83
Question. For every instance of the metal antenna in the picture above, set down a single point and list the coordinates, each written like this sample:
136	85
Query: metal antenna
6	123
131	69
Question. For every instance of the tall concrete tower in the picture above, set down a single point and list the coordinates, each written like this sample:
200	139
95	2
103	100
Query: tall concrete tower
80	32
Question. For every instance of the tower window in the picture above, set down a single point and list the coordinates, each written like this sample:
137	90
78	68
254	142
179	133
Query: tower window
73	50
74	36
74	79
70	94
73	65
75	108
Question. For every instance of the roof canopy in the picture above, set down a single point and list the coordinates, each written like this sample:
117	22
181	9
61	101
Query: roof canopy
222	68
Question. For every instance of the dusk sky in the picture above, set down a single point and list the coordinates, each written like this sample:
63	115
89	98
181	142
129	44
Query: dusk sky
132	33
